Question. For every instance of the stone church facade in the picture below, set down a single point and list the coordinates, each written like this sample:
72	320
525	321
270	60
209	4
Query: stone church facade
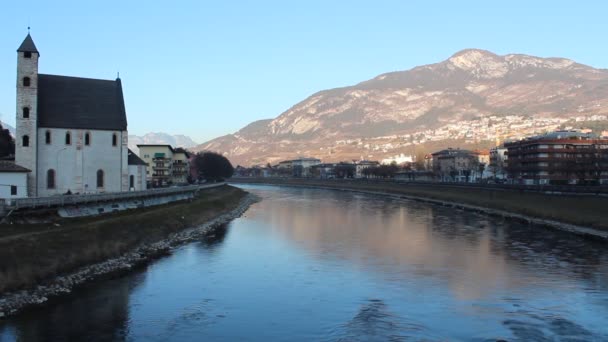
71	132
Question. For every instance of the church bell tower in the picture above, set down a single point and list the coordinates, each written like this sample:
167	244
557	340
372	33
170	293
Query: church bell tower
26	143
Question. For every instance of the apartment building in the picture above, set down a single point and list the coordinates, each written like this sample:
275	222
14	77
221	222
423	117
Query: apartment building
166	165
562	157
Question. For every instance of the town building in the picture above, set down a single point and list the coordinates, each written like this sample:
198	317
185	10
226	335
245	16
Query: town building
180	168
398	159
71	132
13	180
562	157
456	165
300	167
166	165
159	159
137	173
324	171
361	165
498	163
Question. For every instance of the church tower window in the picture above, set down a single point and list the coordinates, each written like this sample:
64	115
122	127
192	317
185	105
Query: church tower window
100	178
68	138
114	139
50	179
26	81
47	137
87	138
25	141
26	112
27	54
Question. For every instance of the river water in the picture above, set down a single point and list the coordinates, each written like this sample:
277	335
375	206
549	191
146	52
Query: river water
321	265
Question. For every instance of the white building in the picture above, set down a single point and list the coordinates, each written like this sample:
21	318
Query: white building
13	180
71	132
362	165
137	173
400	159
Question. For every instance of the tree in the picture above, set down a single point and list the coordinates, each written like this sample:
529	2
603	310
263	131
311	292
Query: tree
7	143
212	166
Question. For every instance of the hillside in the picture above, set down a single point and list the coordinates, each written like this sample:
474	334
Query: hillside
472	99
161	138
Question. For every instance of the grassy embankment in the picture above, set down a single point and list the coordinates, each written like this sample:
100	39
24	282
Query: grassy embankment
31	253
588	211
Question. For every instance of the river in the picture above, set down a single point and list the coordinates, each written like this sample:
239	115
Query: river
322	265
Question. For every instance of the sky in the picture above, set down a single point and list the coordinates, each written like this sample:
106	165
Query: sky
208	68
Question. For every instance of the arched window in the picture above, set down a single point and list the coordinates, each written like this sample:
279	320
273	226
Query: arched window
50	179
26	81
87	138
68	138
47	137
114	139
26	112
100	178
131	181
25	141
27	54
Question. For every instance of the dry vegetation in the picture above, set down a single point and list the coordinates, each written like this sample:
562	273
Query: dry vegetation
588	211
32	253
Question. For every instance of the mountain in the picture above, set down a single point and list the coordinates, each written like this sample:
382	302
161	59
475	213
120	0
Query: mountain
161	138
475	97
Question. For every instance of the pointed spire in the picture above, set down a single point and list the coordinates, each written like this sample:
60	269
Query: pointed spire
28	45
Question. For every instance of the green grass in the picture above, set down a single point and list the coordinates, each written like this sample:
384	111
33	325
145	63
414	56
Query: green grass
30	254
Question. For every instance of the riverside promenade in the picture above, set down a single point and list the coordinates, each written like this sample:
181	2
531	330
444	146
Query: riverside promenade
7	207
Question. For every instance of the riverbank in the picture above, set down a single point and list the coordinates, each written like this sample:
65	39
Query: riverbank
584	215
38	262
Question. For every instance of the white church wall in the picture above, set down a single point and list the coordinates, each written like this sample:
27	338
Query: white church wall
8	179
139	176
76	164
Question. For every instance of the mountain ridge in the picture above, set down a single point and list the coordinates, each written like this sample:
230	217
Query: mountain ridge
472	84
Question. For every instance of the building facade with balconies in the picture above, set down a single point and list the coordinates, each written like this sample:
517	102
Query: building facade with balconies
180	167
160	161
563	157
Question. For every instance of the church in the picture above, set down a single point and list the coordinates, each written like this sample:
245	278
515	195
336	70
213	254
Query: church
71	132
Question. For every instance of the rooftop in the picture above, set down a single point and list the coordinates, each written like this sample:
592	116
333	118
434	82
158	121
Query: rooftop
81	103
10	166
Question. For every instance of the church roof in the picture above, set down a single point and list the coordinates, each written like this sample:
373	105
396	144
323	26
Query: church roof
135	160
80	103
10	166
28	45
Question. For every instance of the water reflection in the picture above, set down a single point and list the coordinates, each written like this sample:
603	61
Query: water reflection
326	265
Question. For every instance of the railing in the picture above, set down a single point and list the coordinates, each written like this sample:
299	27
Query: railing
61	200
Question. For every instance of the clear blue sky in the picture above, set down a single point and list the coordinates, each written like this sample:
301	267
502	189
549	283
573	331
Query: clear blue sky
207	68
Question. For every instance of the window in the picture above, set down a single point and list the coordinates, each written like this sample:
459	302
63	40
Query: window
26	81
13	190
26	112
100	178
131	181
27	54
47	137
50	179
114	139
87	139
68	138
25	141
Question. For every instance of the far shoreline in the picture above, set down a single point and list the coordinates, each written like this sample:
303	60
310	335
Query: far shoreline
561	212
